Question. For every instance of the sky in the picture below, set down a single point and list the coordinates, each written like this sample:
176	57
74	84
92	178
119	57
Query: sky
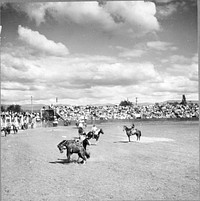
99	52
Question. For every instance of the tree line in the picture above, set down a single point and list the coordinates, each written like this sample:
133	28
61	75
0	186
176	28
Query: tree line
11	108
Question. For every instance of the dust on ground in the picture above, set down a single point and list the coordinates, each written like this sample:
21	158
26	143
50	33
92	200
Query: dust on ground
159	167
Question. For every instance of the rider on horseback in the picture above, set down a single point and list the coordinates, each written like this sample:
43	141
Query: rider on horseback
94	130
133	129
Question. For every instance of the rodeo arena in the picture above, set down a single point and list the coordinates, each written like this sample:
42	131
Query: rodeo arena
110	152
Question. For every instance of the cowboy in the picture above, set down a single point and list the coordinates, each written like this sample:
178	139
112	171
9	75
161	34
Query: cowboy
133	129
80	125
95	130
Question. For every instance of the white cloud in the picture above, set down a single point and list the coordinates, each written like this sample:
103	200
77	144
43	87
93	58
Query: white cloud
22	70
160	45
136	17
195	58
167	10
162	1
132	53
36	11
40	42
71	78
78	78
179	59
177	84
144	48
179	65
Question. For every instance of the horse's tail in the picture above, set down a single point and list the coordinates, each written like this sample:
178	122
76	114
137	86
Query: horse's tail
87	154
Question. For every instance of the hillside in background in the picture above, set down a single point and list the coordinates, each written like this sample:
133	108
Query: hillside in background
36	107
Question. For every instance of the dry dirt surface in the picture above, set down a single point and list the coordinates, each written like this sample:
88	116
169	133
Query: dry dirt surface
164	165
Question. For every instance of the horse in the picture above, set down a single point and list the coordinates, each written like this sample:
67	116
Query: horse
129	132
6	130
90	134
73	146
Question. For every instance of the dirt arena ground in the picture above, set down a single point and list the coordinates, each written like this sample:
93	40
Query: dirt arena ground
164	165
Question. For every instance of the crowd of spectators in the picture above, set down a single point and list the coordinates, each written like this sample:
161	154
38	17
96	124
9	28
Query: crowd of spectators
25	120
18	120
154	111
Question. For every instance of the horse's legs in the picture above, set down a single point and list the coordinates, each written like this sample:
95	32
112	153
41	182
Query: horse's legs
68	155
82	155
129	138
137	137
5	132
97	138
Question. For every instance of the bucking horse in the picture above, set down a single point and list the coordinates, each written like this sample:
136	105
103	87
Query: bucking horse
74	146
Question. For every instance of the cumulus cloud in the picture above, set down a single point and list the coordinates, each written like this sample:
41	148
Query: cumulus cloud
160	45
179	59
179	65
40	42
177	84
70	78
139	16
84	79
134	18
144	48
167	10
131	53
20	70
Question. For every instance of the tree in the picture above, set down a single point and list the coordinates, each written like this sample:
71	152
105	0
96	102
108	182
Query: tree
3	109
126	103
14	108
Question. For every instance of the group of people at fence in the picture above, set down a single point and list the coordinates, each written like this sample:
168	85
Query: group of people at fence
13	121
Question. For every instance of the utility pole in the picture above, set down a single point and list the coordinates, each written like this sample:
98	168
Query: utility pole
31	104
56	99
136	100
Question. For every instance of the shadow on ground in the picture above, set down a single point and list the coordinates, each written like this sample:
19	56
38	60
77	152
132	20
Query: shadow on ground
123	141
65	161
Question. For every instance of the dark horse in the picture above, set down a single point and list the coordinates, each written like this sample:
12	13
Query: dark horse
6	130
90	134
129	132
73	146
